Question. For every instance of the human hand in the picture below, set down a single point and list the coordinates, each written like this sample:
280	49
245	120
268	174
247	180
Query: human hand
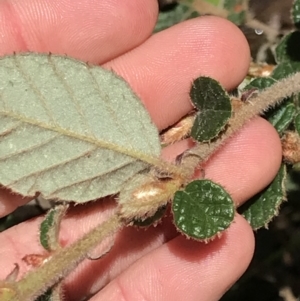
157	264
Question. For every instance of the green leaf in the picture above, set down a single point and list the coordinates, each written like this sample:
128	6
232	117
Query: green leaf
202	210
285	69
261	209
297	123
260	83
214	107
49	229
68	130
296	13
287	50
282	116
180	13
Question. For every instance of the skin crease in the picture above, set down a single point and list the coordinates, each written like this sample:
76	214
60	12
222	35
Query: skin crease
157	264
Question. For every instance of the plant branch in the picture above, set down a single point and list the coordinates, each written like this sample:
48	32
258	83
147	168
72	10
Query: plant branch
36	282
254	107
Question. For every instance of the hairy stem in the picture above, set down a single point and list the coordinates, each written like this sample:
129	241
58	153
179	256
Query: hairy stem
36	282
257	105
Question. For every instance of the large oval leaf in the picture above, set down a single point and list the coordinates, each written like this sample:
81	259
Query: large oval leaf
297	123
68	130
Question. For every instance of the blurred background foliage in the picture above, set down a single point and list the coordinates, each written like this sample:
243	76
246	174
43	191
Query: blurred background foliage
263	22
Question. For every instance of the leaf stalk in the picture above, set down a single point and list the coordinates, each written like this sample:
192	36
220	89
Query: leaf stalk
36	282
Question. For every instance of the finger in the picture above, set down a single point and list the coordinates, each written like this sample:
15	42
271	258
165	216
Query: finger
186	270
132	244
161	70
89	30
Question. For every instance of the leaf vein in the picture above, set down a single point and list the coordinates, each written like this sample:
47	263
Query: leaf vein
31	84
109	106
10	130
59	164
71	94
97	142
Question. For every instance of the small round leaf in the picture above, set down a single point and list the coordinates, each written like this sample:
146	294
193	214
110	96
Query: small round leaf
202	210
214	107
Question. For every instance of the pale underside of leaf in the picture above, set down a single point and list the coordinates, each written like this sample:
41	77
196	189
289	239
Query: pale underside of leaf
68	130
